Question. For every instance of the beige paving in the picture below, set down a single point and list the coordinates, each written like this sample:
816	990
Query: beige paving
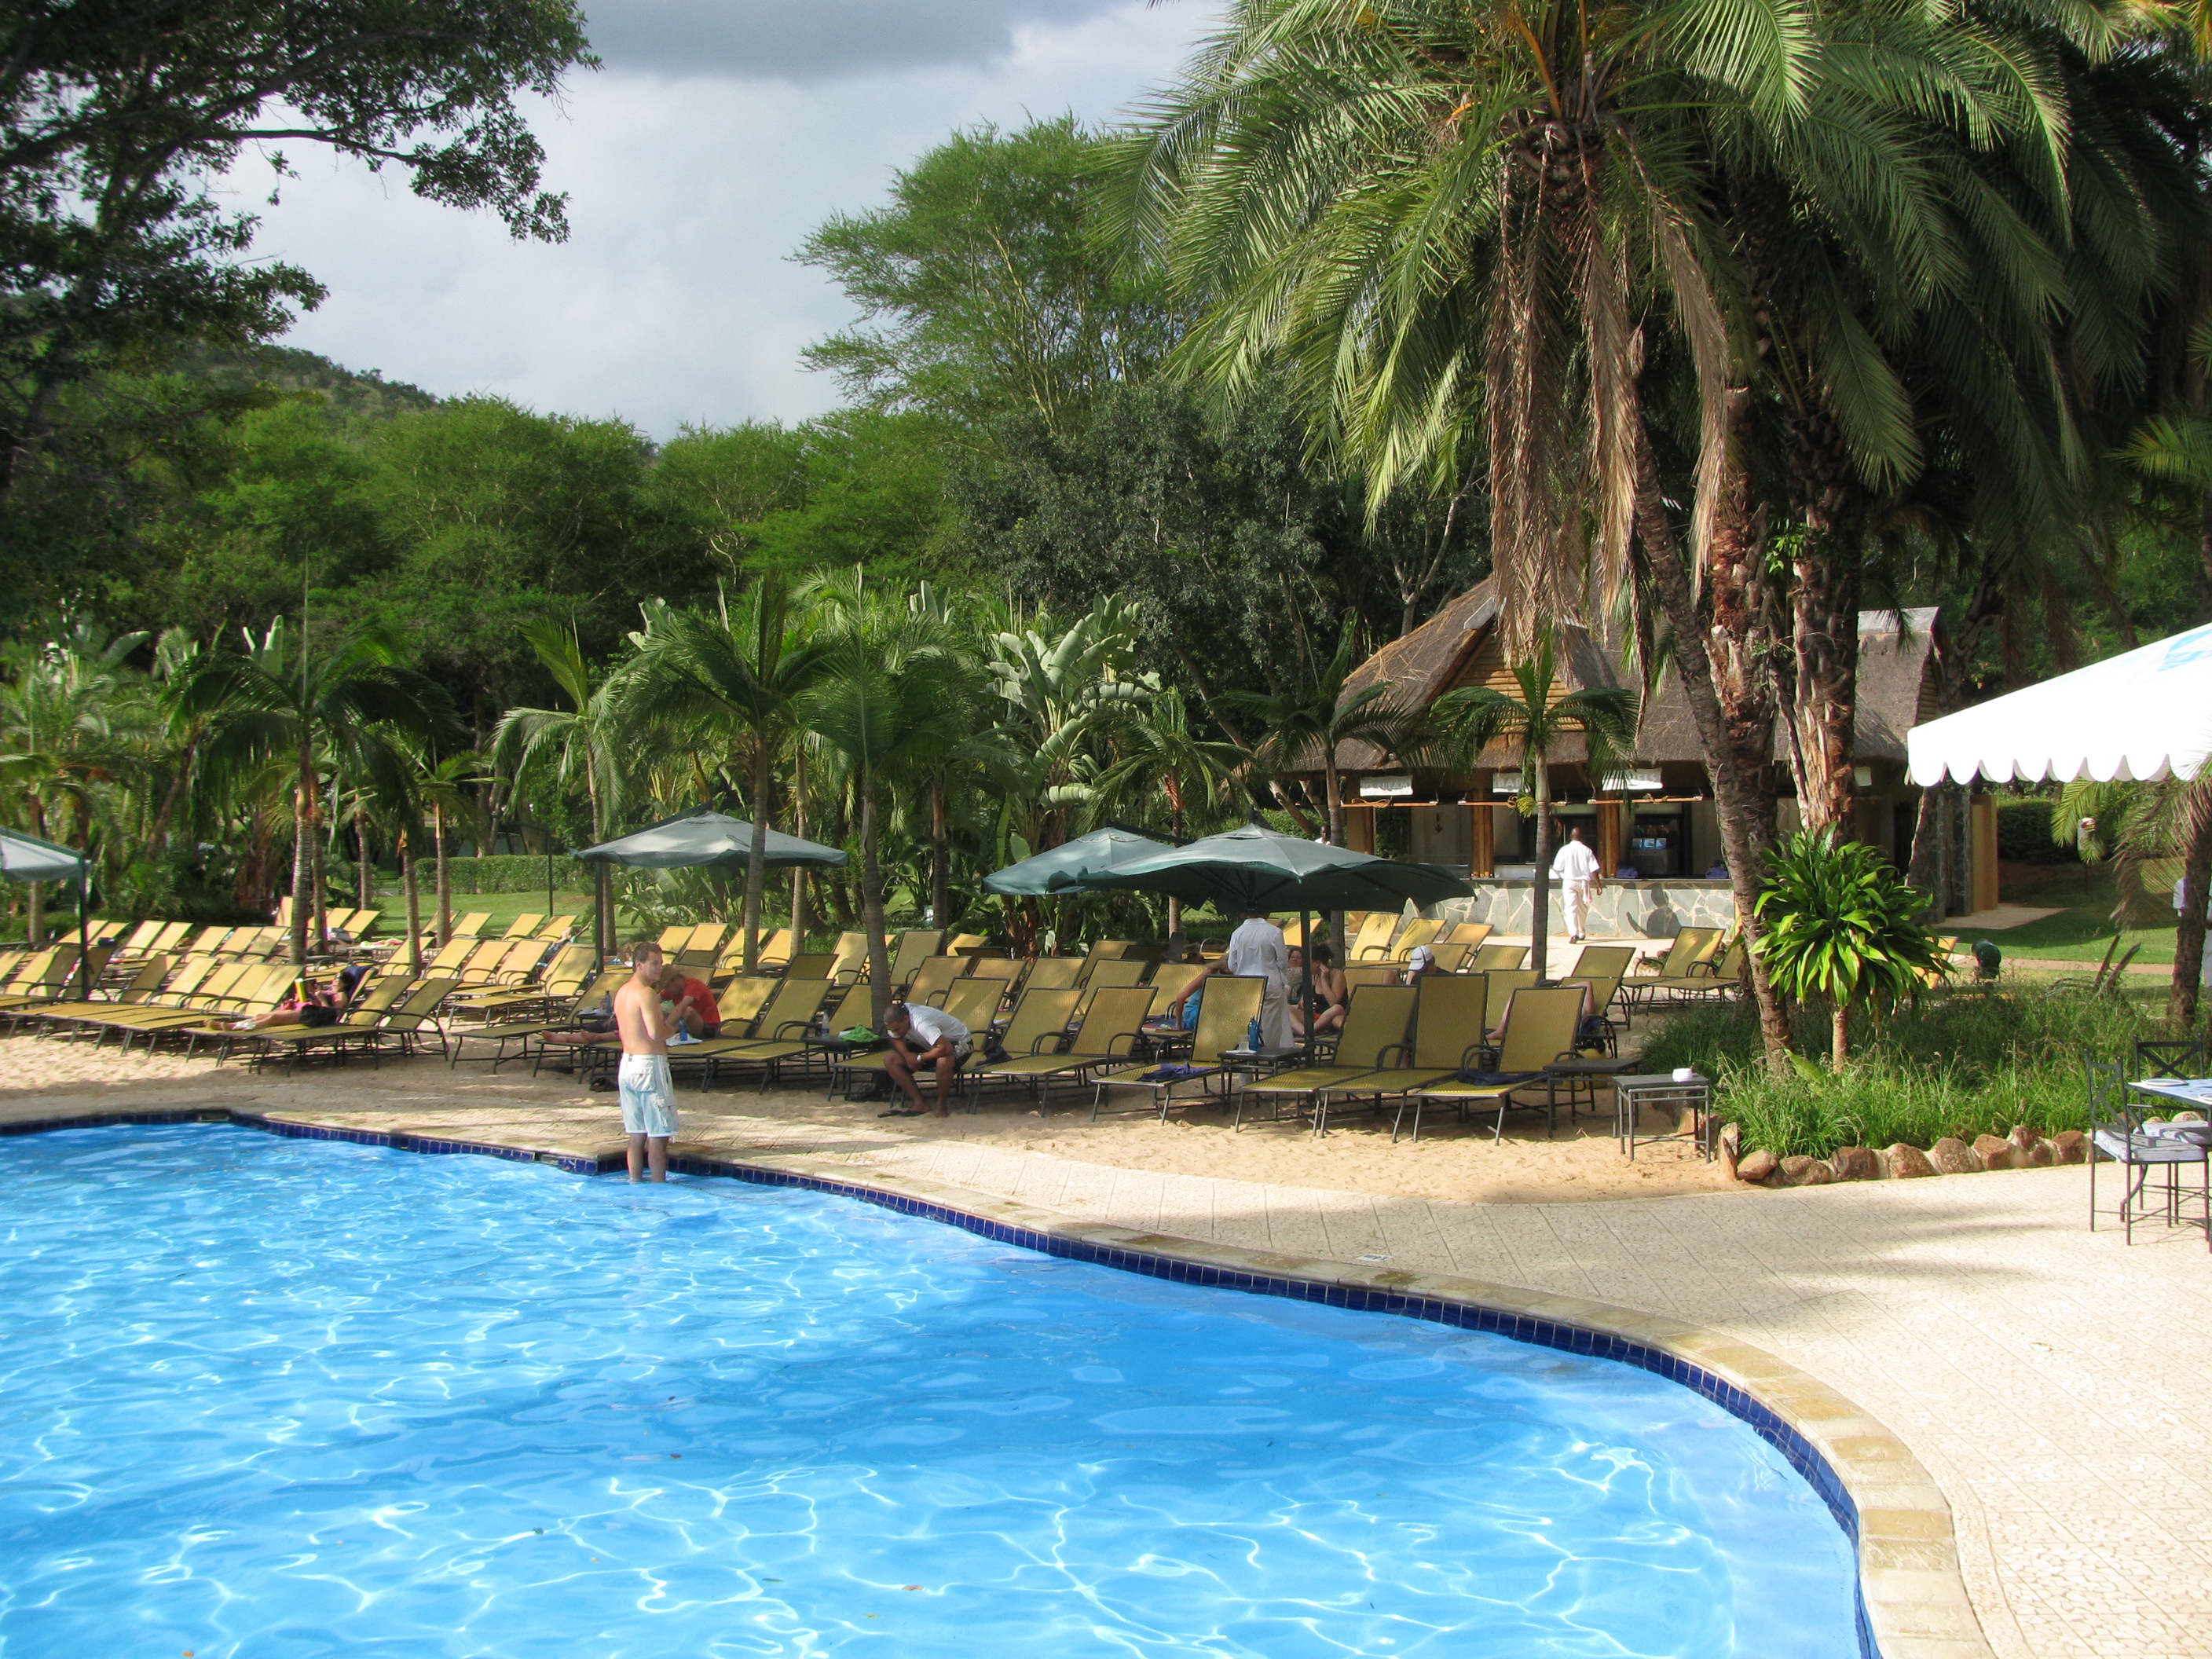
2053	1381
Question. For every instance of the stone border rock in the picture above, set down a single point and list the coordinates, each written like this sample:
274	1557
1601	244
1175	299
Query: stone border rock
2024	1148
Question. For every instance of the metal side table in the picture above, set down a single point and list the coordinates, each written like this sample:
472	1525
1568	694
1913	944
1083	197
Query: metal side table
1691	1100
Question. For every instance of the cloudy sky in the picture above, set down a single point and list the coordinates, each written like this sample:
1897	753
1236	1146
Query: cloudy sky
719	133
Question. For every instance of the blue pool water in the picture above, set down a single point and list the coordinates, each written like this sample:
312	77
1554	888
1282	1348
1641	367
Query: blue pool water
266	1398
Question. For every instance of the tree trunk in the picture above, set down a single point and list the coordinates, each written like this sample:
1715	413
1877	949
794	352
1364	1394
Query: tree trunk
1540	885
1333	782
1824	628
34	914
1743	632
798	828
871	907
2196	875
364	877
1735	798
941	856
1840	1036
412	882
443	870
757	855
303	864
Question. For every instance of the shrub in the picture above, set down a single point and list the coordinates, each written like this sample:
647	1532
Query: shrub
2024	835
1964	1064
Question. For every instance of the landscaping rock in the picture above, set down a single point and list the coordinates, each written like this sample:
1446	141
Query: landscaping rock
1856	1164
1757	1165
2189	1115
1952	1156
2022	1137
1730	1141
1798	1171
1996	1154
1906	1162
2068	1145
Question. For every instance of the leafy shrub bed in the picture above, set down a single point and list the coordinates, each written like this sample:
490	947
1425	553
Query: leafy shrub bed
1963	1064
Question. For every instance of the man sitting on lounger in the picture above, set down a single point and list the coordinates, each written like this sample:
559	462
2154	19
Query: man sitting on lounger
922	1037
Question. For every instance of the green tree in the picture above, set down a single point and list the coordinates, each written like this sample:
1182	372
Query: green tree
980	287
729	681
117	120
1843	928
281	697
1535	725
585	743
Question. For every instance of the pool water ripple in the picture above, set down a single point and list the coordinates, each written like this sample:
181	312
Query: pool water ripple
267	1399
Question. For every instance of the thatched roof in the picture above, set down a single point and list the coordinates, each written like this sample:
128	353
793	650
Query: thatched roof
1460	645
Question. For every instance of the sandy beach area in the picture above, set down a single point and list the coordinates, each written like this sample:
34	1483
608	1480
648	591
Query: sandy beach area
1450	1161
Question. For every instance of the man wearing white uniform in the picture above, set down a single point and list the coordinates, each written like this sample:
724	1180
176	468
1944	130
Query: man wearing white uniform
1257	950
1576	868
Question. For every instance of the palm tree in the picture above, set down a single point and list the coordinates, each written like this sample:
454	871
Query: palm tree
1307	725
886	698
1465	227
446	785
1535	725
581	743
729	680
275	698
1160	757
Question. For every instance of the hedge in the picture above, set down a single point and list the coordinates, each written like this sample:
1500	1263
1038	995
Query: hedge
2024	834
503	873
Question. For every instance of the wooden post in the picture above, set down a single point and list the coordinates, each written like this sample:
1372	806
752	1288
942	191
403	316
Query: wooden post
1608	837
1360	828
1981	854
1483	844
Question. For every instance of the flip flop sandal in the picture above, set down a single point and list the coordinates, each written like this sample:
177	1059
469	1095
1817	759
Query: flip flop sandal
903	1111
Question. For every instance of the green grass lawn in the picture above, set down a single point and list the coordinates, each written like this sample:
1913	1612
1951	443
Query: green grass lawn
504	907
2082	929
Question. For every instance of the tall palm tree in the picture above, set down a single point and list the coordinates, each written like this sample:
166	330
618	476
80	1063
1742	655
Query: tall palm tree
728	680
1471	228
582	744
446	786
275	698
1533	724
886	697
1304	725
1161	759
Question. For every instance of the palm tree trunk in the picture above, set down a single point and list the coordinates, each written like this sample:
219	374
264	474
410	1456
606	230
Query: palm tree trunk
34	914
1540	888
603	930
303	855
364	877
1735	797
757	855
412	882
940	857
443	872
1333	782
2189	938
1825	636
872	906
799	828
1840	1036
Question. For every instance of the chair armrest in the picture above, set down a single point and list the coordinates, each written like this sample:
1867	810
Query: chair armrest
1059	1039
1133	1038
1381	1062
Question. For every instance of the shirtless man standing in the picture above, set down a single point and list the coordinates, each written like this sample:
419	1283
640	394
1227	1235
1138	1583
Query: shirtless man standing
648	1099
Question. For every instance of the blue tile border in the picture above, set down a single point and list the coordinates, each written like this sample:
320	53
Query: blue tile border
1762	1420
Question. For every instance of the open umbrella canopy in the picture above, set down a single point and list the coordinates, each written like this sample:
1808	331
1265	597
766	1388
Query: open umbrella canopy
707	838
1071	867
26	858
1256	868
2144	714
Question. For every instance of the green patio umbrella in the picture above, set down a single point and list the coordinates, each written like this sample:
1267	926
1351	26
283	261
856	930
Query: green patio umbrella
1256	868
705	837
1069	867
26	858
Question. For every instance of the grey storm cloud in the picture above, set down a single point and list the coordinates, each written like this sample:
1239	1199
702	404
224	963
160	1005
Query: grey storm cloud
813	40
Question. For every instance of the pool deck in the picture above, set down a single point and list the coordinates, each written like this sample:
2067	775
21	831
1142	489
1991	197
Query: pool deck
2053	1383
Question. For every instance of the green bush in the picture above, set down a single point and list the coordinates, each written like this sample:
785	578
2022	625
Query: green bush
2024	834
1965	1063
504	873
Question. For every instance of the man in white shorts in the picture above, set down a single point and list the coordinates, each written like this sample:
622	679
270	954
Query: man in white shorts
648	1099
923	1037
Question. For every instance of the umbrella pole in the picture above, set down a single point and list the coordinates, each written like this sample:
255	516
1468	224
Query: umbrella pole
1305	976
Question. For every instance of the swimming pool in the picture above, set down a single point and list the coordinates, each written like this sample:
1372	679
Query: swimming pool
272	1397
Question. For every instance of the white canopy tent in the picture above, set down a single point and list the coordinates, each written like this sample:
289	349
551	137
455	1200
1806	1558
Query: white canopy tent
2145	714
